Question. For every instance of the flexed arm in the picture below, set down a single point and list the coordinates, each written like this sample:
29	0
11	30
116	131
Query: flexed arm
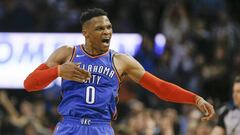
171	92
41	77
163	89
57	65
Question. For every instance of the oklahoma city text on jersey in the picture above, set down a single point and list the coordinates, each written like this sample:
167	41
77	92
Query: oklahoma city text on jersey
102	70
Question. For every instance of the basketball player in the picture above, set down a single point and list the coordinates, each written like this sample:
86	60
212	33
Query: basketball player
91	75
229	120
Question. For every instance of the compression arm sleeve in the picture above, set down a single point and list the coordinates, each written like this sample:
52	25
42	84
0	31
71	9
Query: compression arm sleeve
167	91
41	77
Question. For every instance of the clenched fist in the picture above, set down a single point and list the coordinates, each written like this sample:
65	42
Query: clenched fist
72	71
205	108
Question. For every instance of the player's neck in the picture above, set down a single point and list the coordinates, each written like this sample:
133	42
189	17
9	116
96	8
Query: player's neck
89	49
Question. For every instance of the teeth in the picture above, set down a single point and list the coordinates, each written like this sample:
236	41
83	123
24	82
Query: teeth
105	40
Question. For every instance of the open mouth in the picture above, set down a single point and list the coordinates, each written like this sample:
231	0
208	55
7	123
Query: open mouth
105	40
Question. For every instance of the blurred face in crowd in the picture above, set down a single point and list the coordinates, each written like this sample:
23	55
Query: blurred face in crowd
203	129
98	33
26	108
236	93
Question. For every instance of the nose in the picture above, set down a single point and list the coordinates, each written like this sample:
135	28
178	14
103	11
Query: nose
107	31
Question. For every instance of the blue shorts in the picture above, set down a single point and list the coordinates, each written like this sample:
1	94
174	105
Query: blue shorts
74	126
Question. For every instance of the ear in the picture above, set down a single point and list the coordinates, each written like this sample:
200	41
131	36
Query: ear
84	32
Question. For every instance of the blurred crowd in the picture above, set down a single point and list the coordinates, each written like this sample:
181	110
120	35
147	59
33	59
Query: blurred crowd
202	54
33	114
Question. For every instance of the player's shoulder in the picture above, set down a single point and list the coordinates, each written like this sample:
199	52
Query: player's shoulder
125	60
122	56
66	48
60	55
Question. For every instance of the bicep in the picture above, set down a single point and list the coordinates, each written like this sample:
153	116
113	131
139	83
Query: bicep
133	69
218	131
59	56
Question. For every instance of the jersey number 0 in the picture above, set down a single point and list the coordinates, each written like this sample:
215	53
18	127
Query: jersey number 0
90	95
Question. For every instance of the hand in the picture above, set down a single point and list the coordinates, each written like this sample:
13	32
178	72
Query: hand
71	71
205	108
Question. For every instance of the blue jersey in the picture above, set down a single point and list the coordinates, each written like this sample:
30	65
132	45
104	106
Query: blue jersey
94	99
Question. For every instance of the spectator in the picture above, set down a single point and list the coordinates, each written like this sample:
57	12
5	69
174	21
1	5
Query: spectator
229	120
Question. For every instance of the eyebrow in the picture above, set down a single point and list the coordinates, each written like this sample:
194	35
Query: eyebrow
97	26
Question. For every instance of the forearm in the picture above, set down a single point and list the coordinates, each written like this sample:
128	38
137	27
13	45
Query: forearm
167	91
40	77
10	109
19	121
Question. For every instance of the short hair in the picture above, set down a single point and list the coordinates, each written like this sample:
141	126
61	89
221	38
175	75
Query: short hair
90	13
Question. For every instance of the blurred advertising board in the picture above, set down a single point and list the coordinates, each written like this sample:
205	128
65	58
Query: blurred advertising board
21	53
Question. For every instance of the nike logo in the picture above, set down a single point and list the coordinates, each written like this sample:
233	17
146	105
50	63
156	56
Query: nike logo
79	55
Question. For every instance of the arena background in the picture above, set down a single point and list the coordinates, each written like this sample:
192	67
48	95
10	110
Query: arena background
193	43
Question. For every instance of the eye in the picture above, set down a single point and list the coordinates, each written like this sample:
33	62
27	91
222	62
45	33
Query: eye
99	28
109	27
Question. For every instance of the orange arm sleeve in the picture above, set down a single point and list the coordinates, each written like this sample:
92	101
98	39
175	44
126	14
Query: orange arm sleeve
167	91
41	77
